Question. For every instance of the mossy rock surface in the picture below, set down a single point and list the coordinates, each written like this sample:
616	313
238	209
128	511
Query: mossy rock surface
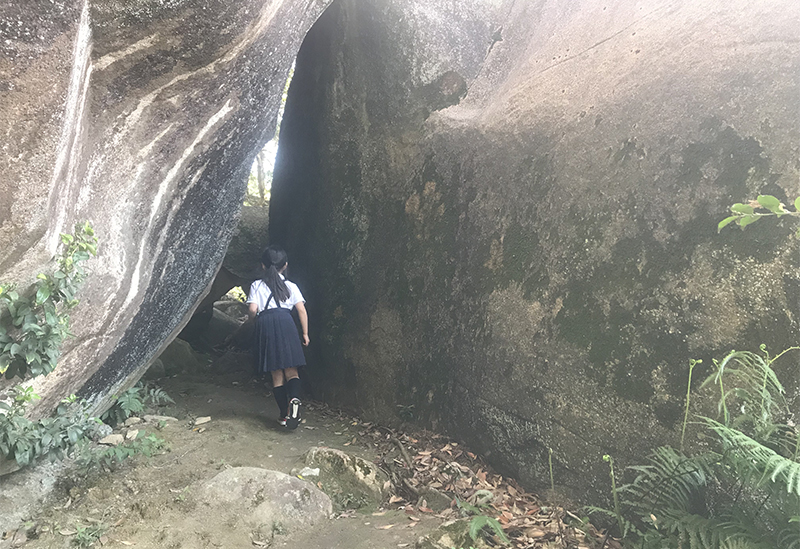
351	481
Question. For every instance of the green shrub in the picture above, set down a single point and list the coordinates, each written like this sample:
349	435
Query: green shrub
26	441
34	323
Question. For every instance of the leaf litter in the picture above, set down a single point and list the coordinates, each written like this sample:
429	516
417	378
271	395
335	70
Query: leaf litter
427	465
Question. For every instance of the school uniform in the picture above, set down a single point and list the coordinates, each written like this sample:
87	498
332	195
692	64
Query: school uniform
277	341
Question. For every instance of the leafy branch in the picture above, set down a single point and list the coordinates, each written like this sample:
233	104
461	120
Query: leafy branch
765	205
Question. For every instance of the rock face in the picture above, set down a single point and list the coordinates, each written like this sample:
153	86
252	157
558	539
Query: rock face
142	118
504	213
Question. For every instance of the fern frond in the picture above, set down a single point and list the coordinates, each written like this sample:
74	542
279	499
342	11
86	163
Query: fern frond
755	460
789	537
671	481
697	532
754	384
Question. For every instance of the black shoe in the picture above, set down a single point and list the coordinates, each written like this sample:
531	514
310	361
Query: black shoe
293	420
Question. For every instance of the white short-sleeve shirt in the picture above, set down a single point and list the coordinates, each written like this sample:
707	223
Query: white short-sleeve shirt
260	294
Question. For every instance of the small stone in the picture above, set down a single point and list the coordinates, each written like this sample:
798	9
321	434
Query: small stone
132	434
112	440
102	430
202	420
156	419
132	421
309	472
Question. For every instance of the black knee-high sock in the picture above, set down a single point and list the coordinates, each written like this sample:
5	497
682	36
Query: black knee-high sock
293	388
281	399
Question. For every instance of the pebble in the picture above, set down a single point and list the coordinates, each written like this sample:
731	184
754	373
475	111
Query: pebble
202	420
132	421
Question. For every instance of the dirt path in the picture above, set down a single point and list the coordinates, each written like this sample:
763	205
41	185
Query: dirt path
148	502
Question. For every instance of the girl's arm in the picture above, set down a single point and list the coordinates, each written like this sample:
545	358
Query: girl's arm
252	310
301	312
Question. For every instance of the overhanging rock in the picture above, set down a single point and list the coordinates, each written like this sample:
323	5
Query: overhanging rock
142	118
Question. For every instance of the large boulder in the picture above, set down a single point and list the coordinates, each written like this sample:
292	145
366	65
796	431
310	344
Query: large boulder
262	497
143	118
505	214
179	357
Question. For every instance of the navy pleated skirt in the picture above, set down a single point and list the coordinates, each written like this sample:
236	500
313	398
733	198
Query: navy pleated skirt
277	341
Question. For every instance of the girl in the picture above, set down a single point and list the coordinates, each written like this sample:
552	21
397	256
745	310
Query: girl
278	346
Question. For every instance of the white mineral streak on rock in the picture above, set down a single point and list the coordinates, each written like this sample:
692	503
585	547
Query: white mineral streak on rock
162	191
65	172
250	36
110	58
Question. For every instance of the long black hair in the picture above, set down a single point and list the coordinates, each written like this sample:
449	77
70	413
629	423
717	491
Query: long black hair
274	259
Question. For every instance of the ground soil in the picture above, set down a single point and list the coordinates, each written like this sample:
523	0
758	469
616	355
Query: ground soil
147	502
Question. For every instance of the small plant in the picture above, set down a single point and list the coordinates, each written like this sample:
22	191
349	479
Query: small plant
405	412
86	536
480	523
610	460
237	293
143	444
133	402
33	324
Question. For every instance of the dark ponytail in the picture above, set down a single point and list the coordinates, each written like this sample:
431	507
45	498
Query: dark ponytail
274	259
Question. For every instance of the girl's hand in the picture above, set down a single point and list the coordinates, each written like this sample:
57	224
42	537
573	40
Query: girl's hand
305	340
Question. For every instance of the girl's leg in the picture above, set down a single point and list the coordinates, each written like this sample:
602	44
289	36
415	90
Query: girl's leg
293	396
292	383
290	373
279	390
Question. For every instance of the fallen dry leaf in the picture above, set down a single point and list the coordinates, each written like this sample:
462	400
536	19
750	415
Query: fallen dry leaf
385	527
